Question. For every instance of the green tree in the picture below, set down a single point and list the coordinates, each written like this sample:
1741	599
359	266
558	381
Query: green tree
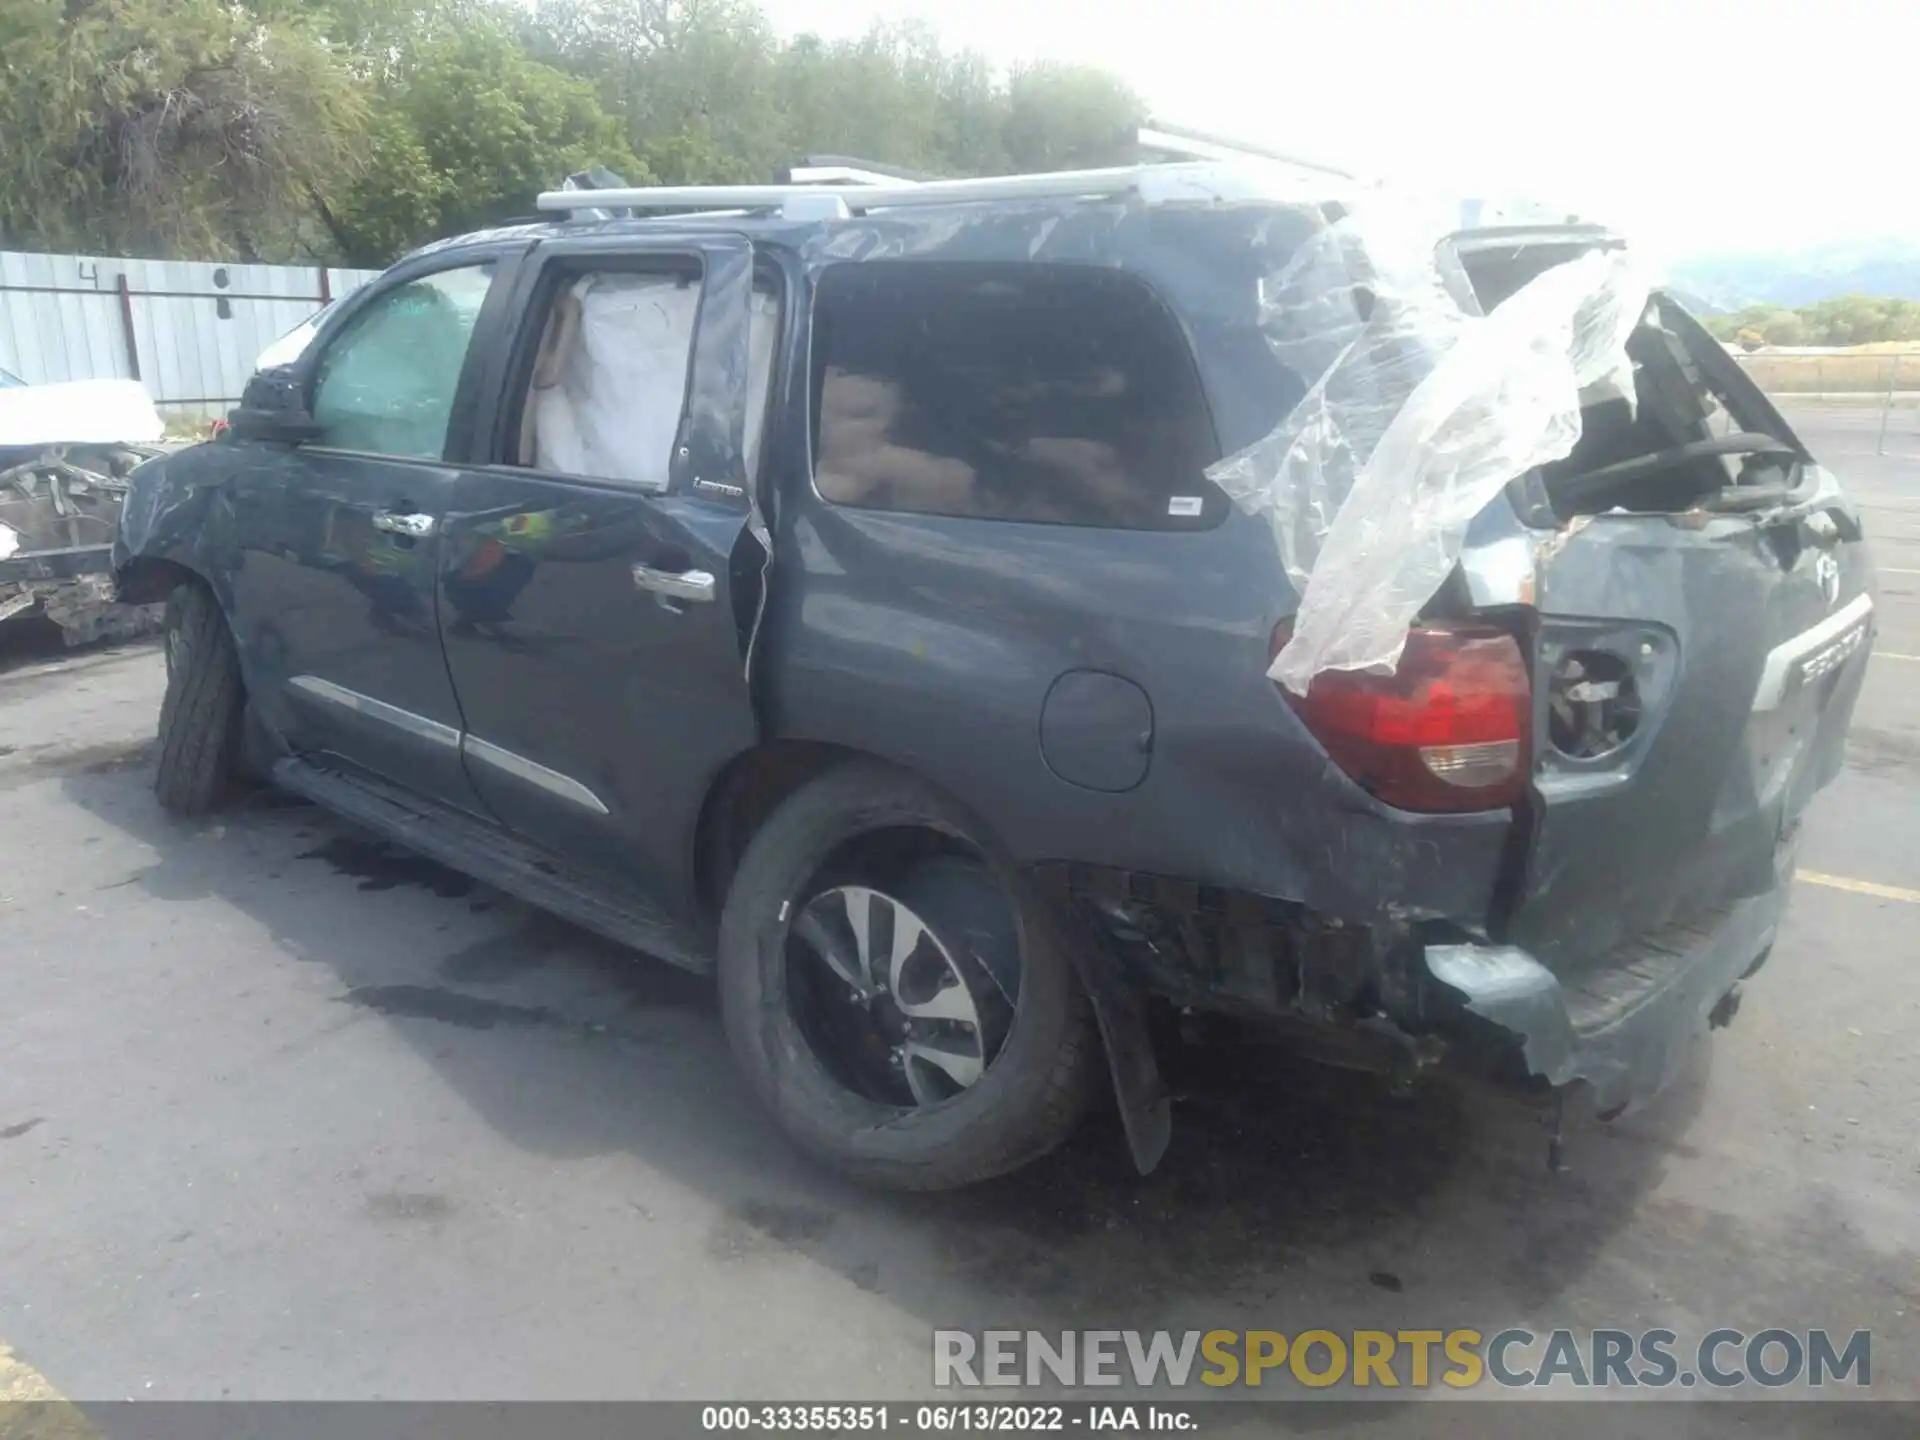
693	80
168	126
470	129
711	95
1842	321
1060	117
356	129
1785	327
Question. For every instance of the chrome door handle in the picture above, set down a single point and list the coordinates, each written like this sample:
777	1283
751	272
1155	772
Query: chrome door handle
413	524
680	584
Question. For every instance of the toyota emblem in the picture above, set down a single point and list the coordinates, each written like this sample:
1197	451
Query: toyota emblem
1827	571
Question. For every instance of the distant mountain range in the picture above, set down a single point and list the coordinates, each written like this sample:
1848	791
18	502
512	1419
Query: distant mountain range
1727	282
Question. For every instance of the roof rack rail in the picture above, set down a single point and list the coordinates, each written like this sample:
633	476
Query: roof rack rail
1185	144
839	197
832	187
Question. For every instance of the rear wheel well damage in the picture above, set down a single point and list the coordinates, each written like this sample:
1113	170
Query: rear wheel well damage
756	784
740	800
1163	958
1355	994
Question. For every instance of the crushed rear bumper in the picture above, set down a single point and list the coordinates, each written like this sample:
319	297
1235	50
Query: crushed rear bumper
1622	1030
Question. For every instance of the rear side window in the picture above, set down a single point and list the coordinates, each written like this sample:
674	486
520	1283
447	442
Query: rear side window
1053	393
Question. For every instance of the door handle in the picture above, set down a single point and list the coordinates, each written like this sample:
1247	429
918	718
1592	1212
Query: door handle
412	523
680	584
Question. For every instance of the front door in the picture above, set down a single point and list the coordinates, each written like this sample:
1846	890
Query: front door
344	602
589	557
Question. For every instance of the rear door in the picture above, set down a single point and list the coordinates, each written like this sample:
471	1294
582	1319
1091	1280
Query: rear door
1695	674
589	555
338	595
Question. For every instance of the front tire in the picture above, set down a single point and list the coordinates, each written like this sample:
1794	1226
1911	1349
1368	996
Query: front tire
896	845
202	714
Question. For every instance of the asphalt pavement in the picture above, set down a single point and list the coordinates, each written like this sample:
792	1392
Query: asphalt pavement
285	1113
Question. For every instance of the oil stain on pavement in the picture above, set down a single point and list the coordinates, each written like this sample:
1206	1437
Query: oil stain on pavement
380	866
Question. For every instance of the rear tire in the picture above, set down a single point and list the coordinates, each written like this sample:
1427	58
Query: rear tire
201	716
1043	1073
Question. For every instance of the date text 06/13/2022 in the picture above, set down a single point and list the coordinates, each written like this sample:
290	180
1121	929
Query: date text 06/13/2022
947	1418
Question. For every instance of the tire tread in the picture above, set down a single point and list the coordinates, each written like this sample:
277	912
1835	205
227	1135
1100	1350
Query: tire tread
990	1142
200	718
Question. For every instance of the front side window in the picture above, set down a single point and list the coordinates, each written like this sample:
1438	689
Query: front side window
1054	393
386	384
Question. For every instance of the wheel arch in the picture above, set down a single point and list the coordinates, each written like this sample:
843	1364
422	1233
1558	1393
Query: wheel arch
145	579
756	782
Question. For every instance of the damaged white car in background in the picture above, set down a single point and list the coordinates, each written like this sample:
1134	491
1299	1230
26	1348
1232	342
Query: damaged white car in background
65	453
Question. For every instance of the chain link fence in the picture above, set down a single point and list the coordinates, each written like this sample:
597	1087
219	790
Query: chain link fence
1878	393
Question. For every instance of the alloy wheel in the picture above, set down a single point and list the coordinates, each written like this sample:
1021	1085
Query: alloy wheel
896	1000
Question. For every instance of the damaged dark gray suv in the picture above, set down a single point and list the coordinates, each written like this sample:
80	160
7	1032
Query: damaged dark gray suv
977	620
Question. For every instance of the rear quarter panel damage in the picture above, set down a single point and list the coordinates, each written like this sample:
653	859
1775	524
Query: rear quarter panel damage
933	643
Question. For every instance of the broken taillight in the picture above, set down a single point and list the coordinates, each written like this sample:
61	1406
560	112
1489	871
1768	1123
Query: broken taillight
1448	730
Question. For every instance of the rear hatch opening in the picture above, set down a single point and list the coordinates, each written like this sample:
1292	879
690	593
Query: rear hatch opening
1702	608
1694	435
1559	562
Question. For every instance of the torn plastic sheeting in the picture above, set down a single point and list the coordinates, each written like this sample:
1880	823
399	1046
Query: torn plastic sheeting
1419	410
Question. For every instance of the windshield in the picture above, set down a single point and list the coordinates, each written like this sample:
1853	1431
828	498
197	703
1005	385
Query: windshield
290	346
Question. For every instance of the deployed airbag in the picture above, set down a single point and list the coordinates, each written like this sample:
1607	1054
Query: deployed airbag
609	400
613	409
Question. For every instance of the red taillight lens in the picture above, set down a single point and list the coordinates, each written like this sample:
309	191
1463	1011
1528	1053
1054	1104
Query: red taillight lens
1448	730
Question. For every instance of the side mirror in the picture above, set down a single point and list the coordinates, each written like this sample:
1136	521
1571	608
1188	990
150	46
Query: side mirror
273	408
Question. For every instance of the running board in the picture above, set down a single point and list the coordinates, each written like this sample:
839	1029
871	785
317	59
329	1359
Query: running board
491	855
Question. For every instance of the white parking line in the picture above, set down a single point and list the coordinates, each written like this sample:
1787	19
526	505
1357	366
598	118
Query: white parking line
1894	655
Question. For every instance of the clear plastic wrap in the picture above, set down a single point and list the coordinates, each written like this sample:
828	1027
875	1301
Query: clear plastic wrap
1418	410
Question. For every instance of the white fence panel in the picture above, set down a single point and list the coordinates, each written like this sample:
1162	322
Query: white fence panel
187	329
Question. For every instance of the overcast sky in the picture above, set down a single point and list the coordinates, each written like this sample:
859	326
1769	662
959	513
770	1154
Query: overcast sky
1758	124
